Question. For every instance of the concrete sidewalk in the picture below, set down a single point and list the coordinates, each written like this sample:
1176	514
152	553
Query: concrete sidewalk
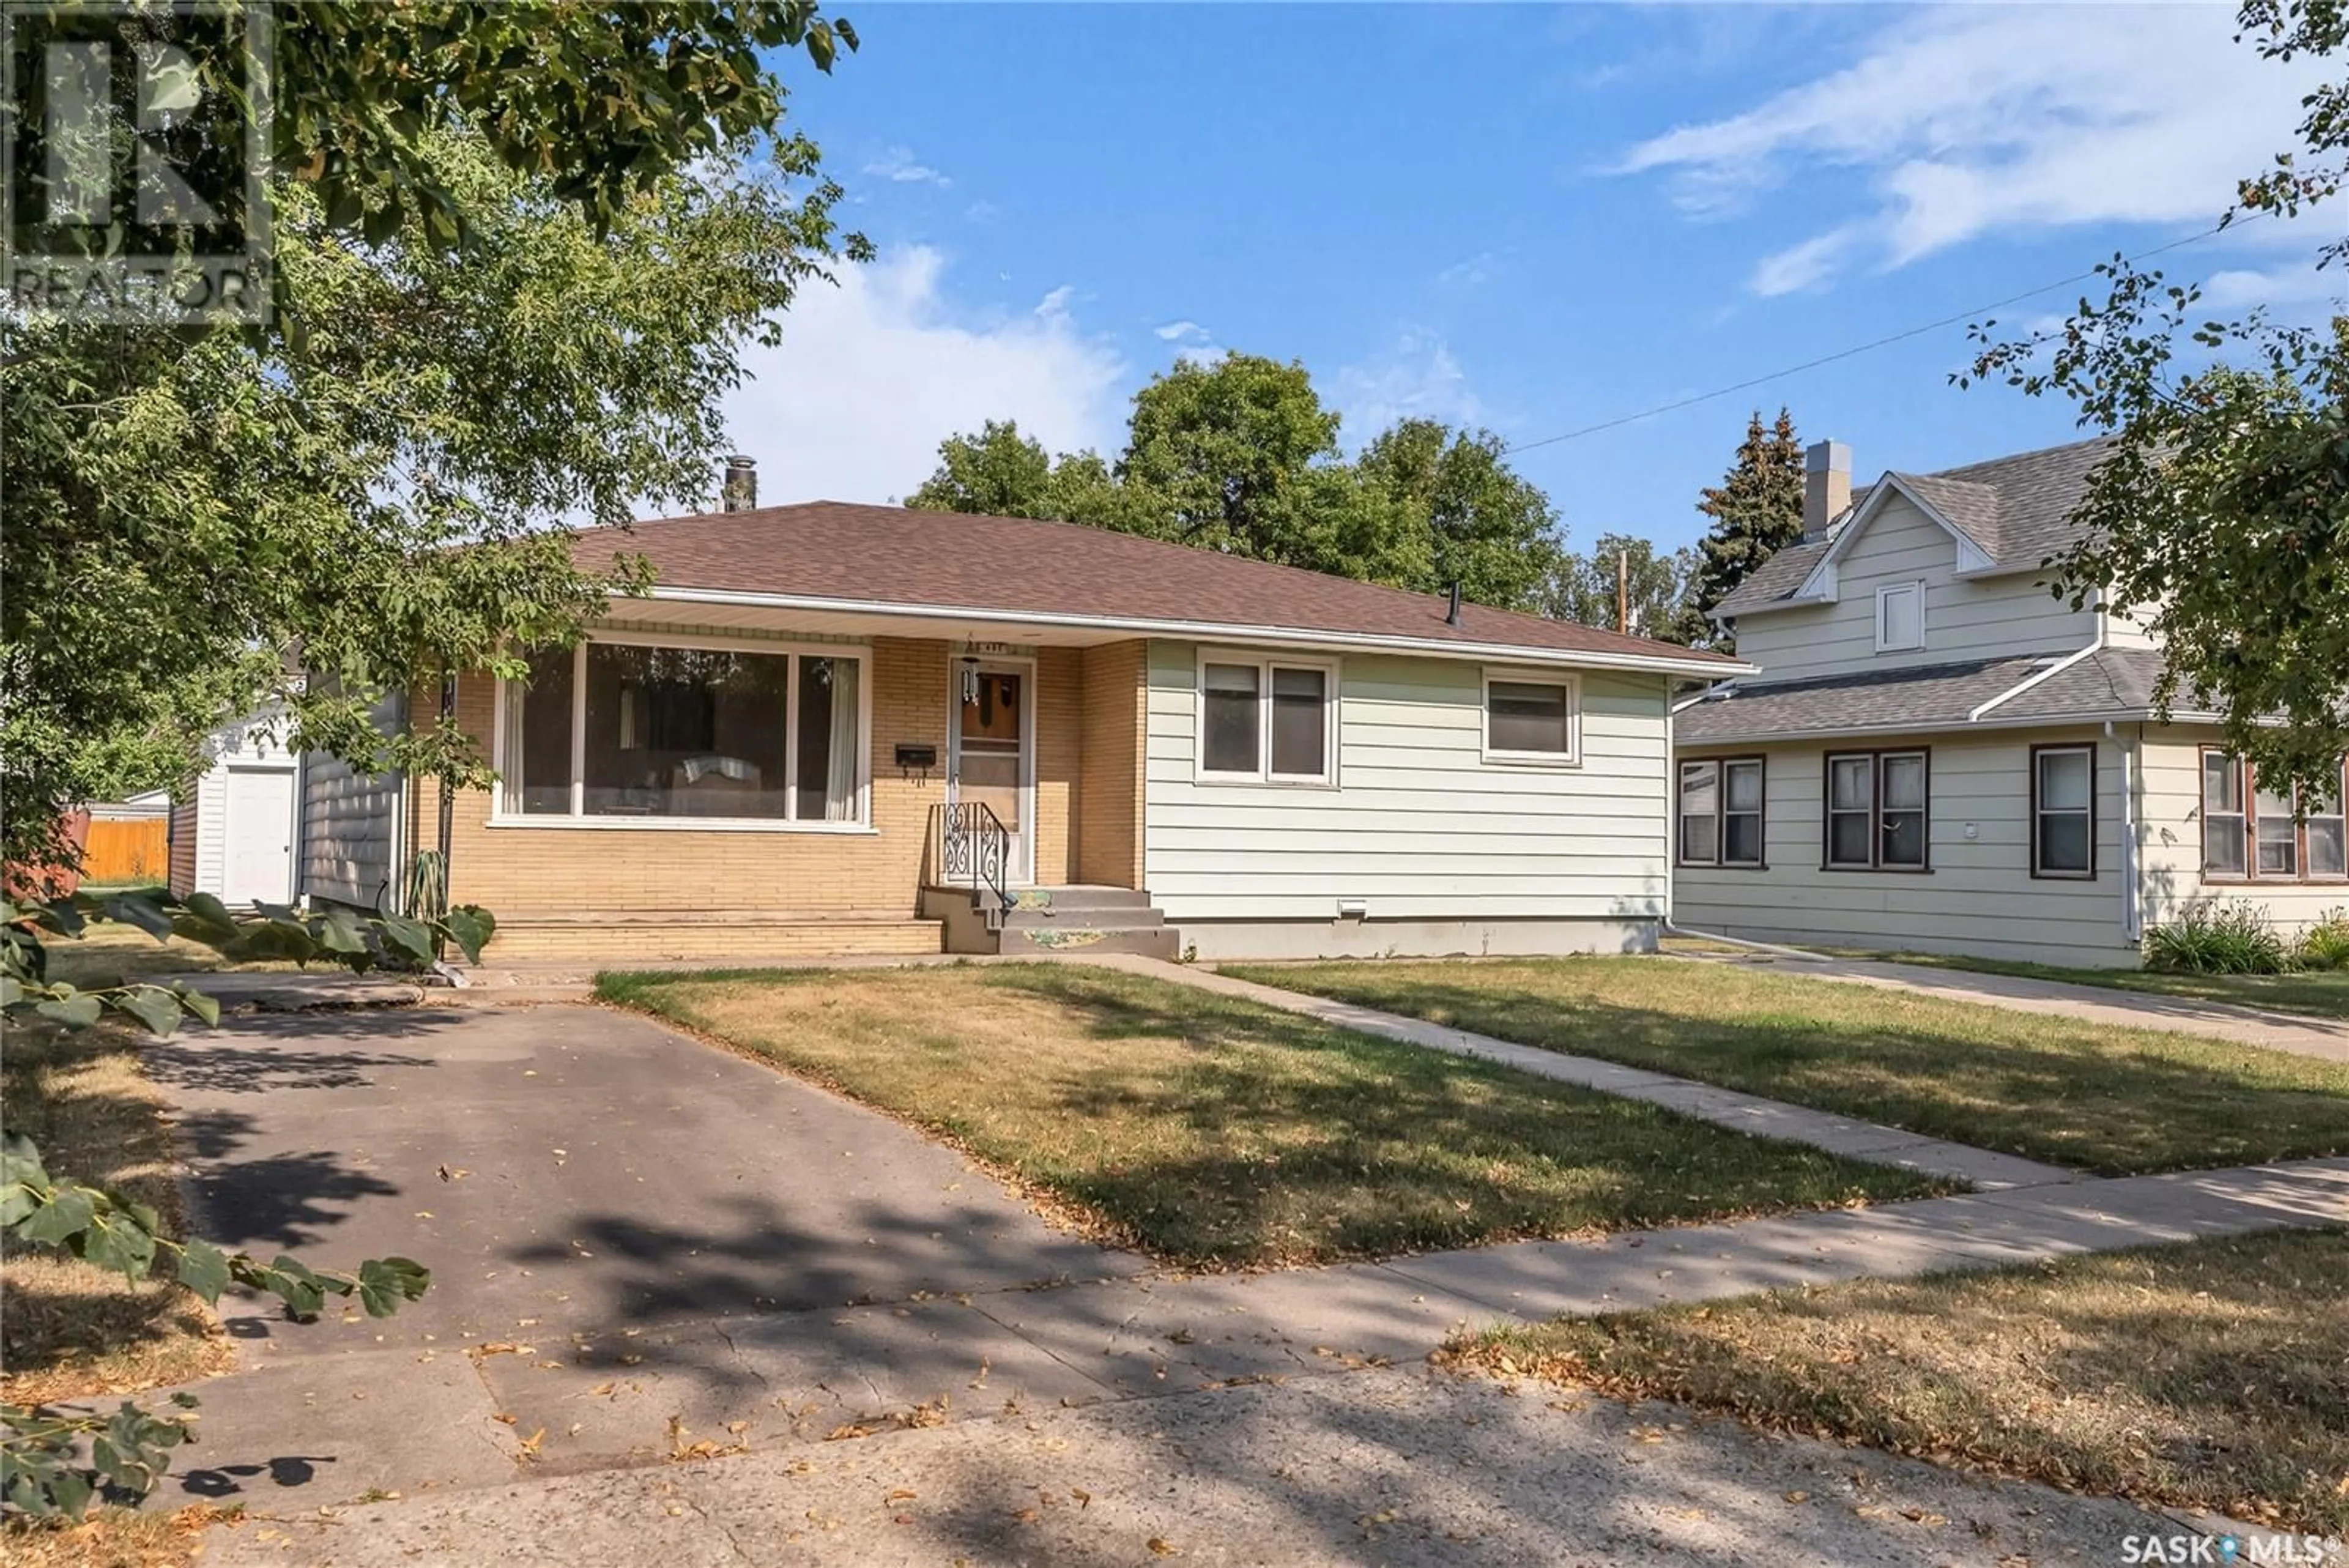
328	1428
2303	1035
1399	1466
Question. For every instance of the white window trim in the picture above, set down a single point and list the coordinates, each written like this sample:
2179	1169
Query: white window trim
1681	813
2040	810
577	820
1885	593
1265	664
1569	758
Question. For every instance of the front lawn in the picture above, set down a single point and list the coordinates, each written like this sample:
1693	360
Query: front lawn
1215	1132
2111	1101
2208	1375
2324	994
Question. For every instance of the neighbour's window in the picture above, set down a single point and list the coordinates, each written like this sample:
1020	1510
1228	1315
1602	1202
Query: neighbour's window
2062	810
1534	721
2224	822
1878	817
2328	836
1900	617
1721	813
621	730
2276	837
1285	740
1700	812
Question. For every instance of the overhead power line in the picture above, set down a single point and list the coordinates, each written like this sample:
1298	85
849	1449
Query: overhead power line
1859	348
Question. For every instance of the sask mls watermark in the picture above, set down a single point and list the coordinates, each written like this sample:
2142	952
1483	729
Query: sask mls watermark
134	142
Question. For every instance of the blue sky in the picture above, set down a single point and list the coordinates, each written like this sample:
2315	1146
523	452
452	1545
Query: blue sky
1527	219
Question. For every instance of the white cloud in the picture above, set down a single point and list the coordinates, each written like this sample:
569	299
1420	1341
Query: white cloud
1467	274
1418	378
1805	266
1963	121
2240	288
897	164
869	377
1182	332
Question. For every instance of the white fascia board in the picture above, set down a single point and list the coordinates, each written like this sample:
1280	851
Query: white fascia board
1216	631
1954	732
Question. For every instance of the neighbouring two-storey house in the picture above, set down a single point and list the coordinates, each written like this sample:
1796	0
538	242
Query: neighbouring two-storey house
1939	754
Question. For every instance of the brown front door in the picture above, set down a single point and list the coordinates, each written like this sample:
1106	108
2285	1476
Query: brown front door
989	764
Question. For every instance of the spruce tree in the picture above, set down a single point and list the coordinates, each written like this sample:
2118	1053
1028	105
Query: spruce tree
1757	509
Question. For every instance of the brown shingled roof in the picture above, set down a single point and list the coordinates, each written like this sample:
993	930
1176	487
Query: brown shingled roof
1019	567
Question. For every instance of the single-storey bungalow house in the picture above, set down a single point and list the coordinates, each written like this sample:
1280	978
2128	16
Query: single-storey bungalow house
1938	754
835	728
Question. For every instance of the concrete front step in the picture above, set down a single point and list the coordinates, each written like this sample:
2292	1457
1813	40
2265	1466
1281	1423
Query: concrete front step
1077	899
1038	920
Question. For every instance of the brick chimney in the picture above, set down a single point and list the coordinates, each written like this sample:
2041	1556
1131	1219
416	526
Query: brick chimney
739	488
1827	485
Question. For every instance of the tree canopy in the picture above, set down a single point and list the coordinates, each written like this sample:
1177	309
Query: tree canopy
2221	515
1757	509
1242	456
372	488
1660	590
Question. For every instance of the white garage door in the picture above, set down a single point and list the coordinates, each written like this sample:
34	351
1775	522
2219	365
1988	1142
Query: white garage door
259	859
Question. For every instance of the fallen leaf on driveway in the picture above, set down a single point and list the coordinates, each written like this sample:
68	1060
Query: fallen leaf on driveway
899	1494
1161	1546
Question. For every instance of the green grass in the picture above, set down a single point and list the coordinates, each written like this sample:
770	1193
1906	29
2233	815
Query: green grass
2110	1101
1215	1132
110	953
2324	994
2208	1374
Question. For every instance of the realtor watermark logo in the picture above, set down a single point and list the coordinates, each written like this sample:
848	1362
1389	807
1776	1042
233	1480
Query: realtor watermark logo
134	142
2252	1546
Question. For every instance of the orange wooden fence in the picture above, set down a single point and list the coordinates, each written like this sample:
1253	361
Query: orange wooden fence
128	851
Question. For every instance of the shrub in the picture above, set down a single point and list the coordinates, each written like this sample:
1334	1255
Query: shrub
2326	944
2230	936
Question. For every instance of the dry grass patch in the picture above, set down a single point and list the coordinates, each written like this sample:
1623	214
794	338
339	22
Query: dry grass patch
117	1538
110	953
2115	1102
2208	1374
1216	1132
71	1329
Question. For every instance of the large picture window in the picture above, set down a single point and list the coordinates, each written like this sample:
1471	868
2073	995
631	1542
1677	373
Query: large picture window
2253	833
624	732
1878	817
2064	811
1721	812
1268	720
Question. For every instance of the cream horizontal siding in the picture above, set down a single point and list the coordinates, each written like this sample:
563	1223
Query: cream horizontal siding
351	824
1418	825
2172	812
1981	617
1978	897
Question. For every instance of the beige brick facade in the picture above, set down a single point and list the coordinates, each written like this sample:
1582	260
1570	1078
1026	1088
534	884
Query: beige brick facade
1116	689
535	876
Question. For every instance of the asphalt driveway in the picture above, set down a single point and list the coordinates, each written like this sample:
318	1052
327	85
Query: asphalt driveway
573	1168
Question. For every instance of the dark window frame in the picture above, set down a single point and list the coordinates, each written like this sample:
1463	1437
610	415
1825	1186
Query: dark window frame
1828	813
2247	782
2089	749
1761	813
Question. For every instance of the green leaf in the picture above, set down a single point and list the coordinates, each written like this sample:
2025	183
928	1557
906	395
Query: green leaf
141	911
79	1011
468	930
291	1280
69	1493
20	1160
118	1241
65	1216
385	1282
204	1269
410	936
210	909
153	1006
11	990
64	918
204	1007
339	931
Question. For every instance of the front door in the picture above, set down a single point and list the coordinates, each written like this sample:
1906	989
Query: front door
989	762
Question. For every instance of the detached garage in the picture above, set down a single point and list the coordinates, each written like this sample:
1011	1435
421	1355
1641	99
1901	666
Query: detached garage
234	828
